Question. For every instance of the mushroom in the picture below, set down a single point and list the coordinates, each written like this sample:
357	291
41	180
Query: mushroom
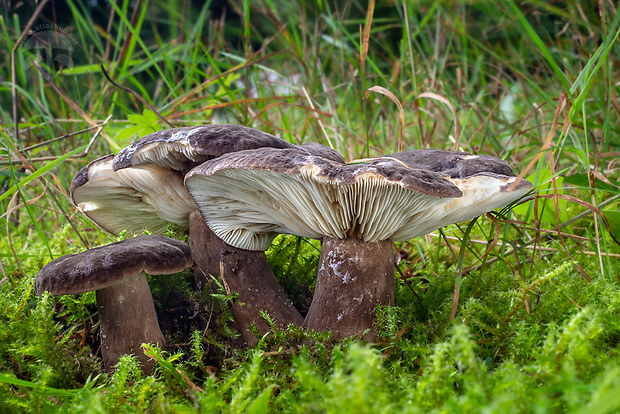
357	210
484	181
165	156
116	273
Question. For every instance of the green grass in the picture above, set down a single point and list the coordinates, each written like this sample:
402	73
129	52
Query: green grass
512	313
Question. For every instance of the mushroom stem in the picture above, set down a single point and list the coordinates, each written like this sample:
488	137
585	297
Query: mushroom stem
246	272
129	301
354	277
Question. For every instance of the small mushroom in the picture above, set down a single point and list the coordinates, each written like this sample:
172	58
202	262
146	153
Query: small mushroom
357	210
117	273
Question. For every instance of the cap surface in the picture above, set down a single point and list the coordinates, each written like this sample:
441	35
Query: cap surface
248	197
453	164
104	266
183	148
147	197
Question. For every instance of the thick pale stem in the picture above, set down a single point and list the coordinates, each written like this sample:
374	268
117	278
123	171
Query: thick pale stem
128	319
246	272
353	278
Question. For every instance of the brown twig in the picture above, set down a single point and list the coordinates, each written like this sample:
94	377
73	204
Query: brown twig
401	111
4	276
329	141
366	35
27	161
60	138
586	252
63	95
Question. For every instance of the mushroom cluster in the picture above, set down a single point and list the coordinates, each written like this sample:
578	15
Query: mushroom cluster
141	188
234	189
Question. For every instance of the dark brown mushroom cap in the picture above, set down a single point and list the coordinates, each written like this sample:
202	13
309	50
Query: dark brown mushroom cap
248	197
299	162
184	148
147	197
453	164
104	266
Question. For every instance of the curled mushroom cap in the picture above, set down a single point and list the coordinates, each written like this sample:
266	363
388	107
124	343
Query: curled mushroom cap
117	273
145	197
183	148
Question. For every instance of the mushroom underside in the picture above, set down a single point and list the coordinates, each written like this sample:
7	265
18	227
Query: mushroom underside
370	208
147	197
